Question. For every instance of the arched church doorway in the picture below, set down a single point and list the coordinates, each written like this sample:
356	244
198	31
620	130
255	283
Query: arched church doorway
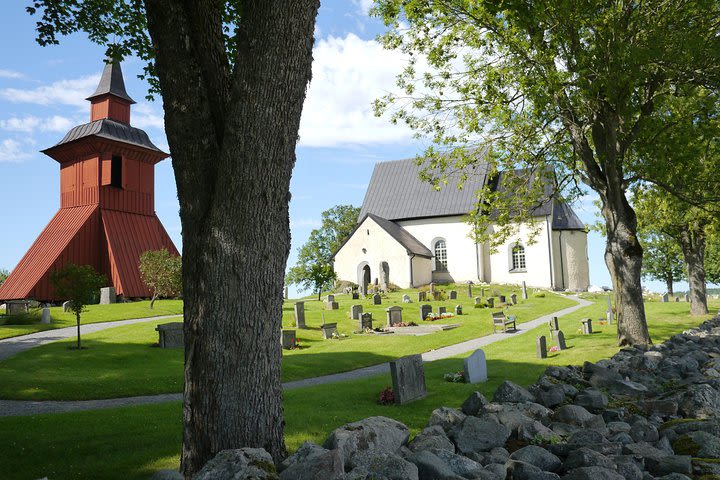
364	277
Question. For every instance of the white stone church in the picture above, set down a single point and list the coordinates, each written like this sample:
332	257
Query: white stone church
411	234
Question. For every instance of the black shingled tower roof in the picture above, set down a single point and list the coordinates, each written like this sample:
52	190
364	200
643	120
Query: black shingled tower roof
112	83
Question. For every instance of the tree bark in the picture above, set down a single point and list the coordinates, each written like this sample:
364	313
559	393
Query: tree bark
152	300
232	133
669	284
77	318
692	242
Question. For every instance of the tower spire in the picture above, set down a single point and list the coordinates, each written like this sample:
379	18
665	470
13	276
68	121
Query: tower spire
110	99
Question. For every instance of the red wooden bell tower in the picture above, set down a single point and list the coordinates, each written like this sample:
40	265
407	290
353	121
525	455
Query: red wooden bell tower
107	201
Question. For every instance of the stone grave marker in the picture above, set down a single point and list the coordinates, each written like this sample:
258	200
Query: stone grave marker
610	317
524	291
469	289
15	307
541	345
408	379
355	296
665	297
331	305
107	295
330	298
453	295
501	298
482	292
609	302
170	335
587	326
66	306
289	340
458	310
437	295
442	310
45	316
432	287
356	311
554	324
285	293
491	302
377	299
478	300
475	367
513	299
394	315
366	321
299	314
560	339
328	330
406	298
424	310
687	297
677	299
422	297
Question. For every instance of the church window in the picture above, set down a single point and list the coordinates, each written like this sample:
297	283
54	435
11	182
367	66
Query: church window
440	256
116	171
518	257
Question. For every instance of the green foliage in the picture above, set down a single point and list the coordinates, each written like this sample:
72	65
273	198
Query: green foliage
161	273
662	257
3	275
712	258
313	270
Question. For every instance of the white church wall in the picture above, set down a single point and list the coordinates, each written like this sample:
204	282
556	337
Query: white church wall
462	259
571	265
371	244
537	260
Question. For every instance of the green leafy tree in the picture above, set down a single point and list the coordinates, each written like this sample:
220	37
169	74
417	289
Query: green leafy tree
161	273
314	268
712	258
3	275
662	258
562	90
232	76
78	284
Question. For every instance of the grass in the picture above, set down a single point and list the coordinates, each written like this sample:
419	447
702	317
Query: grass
16	325
133	442
122	361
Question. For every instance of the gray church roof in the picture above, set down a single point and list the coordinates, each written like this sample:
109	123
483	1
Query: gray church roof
112	83
111	130
564	218
405	238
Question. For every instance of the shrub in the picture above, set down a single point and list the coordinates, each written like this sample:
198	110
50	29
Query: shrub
539	294
391	288
386	397
457	377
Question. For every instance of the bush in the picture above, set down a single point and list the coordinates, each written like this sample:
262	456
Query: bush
386	397
341	285
391	288
539	294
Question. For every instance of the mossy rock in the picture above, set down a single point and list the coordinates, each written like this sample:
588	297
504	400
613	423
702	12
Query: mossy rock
684	445
678	421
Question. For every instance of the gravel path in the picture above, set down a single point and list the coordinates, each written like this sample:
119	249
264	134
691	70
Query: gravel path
21	408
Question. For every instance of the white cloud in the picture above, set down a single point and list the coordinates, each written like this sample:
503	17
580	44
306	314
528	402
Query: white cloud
348	75
13	151
62	92
29	124
306	223
145	115
10	74
363	5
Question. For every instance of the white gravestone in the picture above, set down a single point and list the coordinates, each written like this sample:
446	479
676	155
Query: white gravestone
475	367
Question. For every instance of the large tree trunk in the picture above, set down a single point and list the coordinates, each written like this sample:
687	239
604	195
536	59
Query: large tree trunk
232	134
669	284
692	243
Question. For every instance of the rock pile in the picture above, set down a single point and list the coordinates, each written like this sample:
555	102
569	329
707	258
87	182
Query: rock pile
643	414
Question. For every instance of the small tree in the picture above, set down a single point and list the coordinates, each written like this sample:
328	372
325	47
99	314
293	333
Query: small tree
161	273
3	275
662	259
78	284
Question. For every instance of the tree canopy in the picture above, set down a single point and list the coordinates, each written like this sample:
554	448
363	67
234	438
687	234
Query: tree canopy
662	258
161	273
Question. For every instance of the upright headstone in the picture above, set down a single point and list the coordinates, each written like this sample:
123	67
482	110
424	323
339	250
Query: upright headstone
437	295
406	298
289	340
501	298
554	324
469	289
356	311
330	298
513	299
424	310
475	367
285	292
329	330
560	339
15	307
687	297
394	315
432	287
587	326
299	314
677	299
45	316
478	300
107	295
524	291
355	295
366	321
482	292
422	297
453	295
665	298
377	299
66	306
408	379
541	345
331	305
491	302
458	310
610	317
170	335
609	302
442	310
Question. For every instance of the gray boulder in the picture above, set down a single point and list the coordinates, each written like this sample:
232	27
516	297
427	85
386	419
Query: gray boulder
643	449
537	456
644	432
387	465
629	470
161	475
698	444
669	464
585	457
593	473
592	400
240	464
477	435
461	465
578	416
373	434
432	437
586	437
447	418
673	476
474	404
700	401
497	469
512	393
521	470
550	397
431	467
312	462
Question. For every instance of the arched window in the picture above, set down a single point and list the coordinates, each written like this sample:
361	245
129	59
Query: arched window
518	257
440	256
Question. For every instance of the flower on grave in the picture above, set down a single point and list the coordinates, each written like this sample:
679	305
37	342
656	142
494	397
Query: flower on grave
554	348
457	377
386	397
447	315
431	317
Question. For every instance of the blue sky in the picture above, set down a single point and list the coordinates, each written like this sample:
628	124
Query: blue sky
42	91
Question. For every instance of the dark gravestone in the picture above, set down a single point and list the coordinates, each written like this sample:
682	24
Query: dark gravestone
491	302
408	379
394	315
687	297
356	296
422	297
502	298
170	335
330	298
587	326
453	295
331	305
469	290
665	298
458	310
66	306
513	299
541	345
356	311
424	310
299	314
406	299
554	324
524	291
677	299
366	321
478	300
482	292
289	340
441	310
560	339
377	299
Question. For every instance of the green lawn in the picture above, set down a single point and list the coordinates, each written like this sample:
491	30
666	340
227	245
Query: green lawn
122	361
133	442
15	325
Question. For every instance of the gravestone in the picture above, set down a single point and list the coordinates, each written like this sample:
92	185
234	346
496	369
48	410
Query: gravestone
501	298
554	324
394	315
687	297
330	298
513	299
609	303
328	330
453	295
482	292
437	295
377	299
422	297
524	291
107	295
560	339
406	298
475	367
408	379
366	321
331	305
469	290
356	311
587	326
665	297
677	299
299	314
355	296
170	335
45	316
491	302
66	306
458	310
478	300
432	287
15	307
441	310
289	340
610	317
541	345
424	310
